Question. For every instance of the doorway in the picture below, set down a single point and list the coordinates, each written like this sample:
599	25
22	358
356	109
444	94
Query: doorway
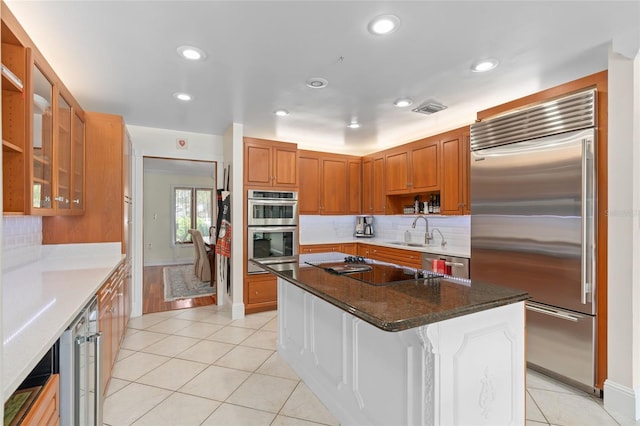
178	195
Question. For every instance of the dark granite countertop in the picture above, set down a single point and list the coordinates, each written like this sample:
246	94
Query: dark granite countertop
398	306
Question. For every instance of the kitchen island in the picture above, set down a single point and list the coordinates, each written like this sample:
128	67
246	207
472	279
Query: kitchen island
415	351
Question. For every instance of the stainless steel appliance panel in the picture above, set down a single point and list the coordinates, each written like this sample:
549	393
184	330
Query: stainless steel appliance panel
561	341
80	370
272	208
278	244
532	225
459	266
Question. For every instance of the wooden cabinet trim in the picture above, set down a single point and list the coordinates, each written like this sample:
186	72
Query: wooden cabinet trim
45	410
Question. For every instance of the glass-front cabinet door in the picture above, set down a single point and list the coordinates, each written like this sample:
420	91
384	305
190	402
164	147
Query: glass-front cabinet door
77	183
63	148
42	144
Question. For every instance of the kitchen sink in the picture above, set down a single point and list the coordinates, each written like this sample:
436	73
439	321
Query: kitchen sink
403	243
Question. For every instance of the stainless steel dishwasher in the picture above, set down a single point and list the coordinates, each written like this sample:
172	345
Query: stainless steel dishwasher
455	266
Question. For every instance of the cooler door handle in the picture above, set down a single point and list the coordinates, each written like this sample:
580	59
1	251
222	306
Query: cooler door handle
556	314
97	342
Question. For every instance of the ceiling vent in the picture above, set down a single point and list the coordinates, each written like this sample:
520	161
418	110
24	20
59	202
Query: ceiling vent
429	107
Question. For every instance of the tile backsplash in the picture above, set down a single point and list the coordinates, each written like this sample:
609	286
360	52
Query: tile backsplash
21	240
333	229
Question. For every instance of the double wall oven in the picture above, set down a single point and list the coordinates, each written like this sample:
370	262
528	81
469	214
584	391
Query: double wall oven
272	232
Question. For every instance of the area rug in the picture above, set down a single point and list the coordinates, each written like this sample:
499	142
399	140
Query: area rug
180	282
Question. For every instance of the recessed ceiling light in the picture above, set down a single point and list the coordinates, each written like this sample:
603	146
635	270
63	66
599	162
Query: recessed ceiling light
191	53
403	102
317	83
384	24
484	65
185	97
353	125
281	112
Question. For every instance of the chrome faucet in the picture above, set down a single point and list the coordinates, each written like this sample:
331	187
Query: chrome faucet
443	243
427	237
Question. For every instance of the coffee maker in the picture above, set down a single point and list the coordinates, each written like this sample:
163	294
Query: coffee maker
364	226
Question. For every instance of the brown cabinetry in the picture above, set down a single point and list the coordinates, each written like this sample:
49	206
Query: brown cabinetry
270	164
413	167
330	183
260	293
455	173
367	185
348	248
378	193
103	219
43	145
354	186
374	198
45	410
113	315
387	254
14	112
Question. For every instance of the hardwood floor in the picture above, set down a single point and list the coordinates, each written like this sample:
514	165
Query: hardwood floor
153	294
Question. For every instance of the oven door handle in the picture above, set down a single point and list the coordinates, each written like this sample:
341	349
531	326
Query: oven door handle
263	202
287	228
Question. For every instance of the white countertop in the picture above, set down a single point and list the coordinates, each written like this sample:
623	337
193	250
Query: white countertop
41	299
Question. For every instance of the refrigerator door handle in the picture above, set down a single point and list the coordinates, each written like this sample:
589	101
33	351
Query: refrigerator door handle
588	265
97	342
552	313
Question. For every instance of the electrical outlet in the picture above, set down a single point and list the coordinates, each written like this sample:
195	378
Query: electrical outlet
155	216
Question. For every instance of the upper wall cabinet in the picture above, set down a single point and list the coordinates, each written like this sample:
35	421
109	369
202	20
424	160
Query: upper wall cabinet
43	140
101	168
330	183
270	164
42	155
78	165
374	199
57	147
14	110
413	167
455	173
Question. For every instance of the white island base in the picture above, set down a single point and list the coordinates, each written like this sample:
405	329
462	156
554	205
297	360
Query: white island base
467	370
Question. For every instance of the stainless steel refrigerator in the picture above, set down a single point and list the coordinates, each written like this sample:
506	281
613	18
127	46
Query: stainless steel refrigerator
533	226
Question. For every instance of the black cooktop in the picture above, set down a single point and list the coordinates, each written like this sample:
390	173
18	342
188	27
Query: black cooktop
373	272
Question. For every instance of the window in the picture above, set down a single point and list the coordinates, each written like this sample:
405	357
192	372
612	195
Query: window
193	208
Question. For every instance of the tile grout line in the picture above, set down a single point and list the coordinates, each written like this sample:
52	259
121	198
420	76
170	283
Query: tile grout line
537	406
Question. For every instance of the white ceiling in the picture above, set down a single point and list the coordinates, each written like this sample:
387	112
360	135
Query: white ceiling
120	57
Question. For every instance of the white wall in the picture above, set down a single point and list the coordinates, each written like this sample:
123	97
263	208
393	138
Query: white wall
233	153
161	143
622	388
159	246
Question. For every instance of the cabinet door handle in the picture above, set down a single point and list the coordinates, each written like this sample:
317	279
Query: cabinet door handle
76	201
60	198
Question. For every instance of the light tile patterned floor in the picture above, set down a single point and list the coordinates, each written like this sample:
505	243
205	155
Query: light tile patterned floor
198	367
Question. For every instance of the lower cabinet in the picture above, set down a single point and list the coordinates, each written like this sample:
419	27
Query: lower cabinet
260	293
348	248
45	409
113	314
387	254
